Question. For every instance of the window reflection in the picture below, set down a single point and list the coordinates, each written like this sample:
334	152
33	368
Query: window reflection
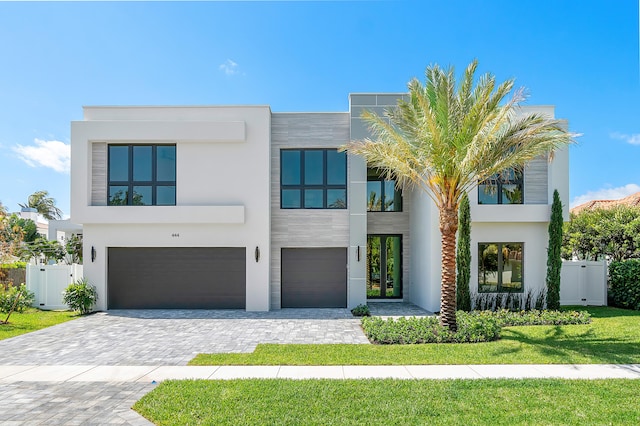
500	267
313	179
132	179
382	194
504	188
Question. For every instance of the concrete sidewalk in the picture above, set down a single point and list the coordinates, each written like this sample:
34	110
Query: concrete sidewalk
155	374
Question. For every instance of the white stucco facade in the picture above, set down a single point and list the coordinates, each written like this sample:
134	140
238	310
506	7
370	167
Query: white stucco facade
222	187
228	196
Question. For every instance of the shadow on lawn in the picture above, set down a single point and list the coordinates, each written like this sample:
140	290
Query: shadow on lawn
557	343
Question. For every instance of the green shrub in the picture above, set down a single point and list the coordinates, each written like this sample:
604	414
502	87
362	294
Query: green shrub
508	318
8	298
80	296
413	330
624	278
361	311
14	265
473	327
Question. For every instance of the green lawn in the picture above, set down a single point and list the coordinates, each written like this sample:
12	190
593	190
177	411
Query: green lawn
393	402
612	337
31	320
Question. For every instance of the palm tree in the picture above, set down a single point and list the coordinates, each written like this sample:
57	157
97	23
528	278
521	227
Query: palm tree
44	204
446	138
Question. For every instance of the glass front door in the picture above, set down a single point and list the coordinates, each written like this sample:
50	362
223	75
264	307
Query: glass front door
384	266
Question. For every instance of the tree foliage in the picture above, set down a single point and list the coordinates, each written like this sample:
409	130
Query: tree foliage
463	256
445	138
44	204
613	232
43	250
10	238
554	253
28	227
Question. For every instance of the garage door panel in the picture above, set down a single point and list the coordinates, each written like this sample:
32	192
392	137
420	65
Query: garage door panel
314	278
177	278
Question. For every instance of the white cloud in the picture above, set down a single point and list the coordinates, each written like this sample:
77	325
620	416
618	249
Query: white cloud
606	194
633	139
229	67
55	155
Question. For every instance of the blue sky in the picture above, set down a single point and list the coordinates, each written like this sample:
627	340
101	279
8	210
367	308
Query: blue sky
581	56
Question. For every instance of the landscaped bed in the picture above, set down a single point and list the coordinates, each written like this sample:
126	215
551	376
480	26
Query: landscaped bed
31	320
393	402
613	336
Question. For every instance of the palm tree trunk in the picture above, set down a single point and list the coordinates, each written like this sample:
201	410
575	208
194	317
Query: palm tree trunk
448	229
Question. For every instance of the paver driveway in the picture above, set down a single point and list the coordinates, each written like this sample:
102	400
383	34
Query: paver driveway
173	337
157	337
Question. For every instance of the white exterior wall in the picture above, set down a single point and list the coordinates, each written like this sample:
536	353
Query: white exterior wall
425	252
222	187
534	237
524	223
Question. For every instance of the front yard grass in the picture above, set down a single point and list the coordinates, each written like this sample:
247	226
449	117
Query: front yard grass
31	320
393	402
613	337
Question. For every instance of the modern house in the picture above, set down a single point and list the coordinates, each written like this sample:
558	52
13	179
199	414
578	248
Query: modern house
241	207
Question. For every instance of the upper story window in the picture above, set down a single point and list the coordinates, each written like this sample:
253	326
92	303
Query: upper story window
382	194
142	175
313	179
504	188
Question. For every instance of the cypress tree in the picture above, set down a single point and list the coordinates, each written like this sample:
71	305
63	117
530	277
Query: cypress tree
463	256
554	253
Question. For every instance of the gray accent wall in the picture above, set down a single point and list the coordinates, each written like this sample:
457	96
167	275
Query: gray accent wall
396	223
99	174
536	178
378	222
304	228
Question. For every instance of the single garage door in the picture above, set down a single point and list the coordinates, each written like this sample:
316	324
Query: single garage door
314	278
176	278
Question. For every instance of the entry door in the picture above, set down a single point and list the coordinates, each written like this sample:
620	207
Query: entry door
384	266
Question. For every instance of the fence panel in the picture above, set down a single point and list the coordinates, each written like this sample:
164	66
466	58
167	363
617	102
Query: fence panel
49	281
583	283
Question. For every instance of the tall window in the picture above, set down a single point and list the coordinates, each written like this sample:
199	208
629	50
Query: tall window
500	267
504	188
384	266
142	175
313	179
382	194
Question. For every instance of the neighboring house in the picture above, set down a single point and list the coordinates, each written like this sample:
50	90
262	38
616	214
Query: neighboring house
63	230
241	207
42	224
632	200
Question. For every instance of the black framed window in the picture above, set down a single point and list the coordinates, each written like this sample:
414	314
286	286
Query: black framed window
384	266
142	175
313	179
382	194
503	188
500	267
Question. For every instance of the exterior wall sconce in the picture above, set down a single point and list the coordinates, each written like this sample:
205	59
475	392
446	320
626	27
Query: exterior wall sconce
257	253
93	254
358	253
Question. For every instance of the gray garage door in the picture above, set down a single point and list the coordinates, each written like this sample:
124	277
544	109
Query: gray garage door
314	278
176	278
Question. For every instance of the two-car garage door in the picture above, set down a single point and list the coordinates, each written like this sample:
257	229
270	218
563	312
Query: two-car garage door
177	278
215	278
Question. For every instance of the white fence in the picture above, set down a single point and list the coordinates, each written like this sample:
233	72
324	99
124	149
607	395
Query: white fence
49	281
583	283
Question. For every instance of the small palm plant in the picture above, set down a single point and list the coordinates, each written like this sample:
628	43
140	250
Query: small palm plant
80	296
